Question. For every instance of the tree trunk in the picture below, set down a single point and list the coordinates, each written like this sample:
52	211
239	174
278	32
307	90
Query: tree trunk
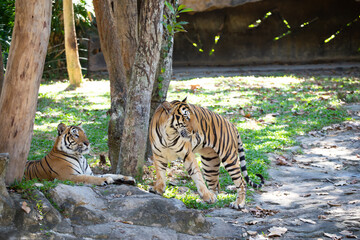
71	48
126	22
22	79
164	68
1	70
112	50
163	72
137	112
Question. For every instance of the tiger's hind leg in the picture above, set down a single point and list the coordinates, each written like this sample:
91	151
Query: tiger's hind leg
211	166
232	166
88	179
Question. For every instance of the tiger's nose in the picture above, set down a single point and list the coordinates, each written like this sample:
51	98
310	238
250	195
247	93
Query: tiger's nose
87	143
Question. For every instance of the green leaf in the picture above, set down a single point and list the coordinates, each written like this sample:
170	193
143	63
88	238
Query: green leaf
186	10
172	10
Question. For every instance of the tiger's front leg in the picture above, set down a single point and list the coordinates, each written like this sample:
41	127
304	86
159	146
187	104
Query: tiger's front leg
193	169
160	167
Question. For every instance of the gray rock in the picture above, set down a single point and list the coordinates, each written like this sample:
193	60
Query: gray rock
42	214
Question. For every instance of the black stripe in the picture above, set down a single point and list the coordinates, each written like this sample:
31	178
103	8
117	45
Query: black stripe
52	170
231	164
181	148
209	158
210	171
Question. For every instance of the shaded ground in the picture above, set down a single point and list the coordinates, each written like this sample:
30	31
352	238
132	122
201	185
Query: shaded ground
329	69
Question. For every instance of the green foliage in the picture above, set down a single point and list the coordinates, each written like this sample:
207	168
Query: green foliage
171	26
7	18
55	58
55	64
170	22
269	113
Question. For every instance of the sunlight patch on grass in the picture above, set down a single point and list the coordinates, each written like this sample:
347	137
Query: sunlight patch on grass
269	112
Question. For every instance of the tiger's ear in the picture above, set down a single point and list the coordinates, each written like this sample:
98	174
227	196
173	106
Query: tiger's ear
166	106
61	128
184	100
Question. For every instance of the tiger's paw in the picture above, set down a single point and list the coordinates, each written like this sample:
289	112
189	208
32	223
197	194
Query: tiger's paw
236	205
106	181
155	191
209	197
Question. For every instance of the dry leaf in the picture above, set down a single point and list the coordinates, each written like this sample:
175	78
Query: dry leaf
307	220
322	193
281	161
258	237
127	222
194	88
322	217
334	204
306	195
25	207
248	115
341	183
259	212
348	234
253	222
252	233
277	231
332	236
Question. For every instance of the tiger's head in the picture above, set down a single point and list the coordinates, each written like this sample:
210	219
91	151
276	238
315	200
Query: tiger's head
181	118
72	140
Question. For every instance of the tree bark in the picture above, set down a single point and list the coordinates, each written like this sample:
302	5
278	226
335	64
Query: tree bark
126	19
1	70
71	48
22	79
112	50
137	112
163	72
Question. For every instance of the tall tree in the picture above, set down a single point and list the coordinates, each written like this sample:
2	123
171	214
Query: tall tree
124	21
116	23
137	112
71	48
22	79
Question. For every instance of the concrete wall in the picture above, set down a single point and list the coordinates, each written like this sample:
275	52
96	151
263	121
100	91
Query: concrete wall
289	31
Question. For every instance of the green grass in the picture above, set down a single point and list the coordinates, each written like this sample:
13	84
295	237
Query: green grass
269	113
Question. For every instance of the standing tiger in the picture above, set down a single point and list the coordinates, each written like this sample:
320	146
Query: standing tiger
178	130
66	161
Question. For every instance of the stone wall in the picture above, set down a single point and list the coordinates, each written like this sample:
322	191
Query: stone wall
268	32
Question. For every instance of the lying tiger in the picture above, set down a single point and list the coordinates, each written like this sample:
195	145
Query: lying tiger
66	161
178	130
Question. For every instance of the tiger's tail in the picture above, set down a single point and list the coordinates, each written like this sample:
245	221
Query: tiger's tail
244	170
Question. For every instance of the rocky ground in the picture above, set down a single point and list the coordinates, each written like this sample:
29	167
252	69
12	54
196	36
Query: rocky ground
314	195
